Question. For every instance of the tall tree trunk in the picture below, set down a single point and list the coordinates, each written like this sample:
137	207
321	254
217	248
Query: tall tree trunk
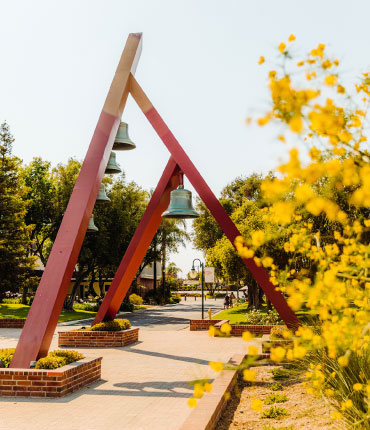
164	257
68	302
24	295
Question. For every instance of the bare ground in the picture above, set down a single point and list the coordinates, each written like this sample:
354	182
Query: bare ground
305	411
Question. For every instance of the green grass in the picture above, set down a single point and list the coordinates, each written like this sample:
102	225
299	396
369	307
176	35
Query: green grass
21	311
237	314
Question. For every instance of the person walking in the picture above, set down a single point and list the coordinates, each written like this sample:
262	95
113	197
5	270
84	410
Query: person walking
232	300
226	301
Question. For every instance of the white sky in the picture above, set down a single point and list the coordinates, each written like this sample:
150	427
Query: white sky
198	66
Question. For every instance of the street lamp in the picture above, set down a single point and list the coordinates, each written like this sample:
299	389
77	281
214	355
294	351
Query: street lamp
193	274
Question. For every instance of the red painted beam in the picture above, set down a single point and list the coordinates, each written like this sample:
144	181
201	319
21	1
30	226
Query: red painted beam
259	273
139	243
42	319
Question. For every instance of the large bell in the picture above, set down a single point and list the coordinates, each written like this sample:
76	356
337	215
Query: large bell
92	228
122	142
181	206
112	166
102	197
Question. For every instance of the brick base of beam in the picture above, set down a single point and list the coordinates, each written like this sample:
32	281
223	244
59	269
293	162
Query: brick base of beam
98	339
49	383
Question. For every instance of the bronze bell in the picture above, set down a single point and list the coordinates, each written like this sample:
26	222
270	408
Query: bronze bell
92	228
102	197
122	142
112	166
181	206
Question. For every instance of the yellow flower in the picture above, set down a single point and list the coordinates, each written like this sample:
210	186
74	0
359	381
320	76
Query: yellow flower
341	89
261	60
192	403
336	415
296	124
346	405
300	63
291	38
329	392
282	47
217	366
257	405
249	375
212	331
207	387
252	350
247	336
226	328
343	361
357	386
198	391
258	237
263	121
267	261
330	80
277	354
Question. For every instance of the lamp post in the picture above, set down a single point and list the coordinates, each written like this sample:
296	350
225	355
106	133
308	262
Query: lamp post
193	274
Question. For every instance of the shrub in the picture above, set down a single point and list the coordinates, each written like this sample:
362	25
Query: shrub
13	301
92	307
276	386
280	373
57	359
126	307
280	332
276	398
115	325
256	317
6	356
274	412
135	299
175	298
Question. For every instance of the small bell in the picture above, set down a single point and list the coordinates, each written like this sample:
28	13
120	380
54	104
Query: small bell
112	166
102	197
92	228
122	142
181	206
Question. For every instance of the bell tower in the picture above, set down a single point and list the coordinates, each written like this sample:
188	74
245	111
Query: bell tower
169	199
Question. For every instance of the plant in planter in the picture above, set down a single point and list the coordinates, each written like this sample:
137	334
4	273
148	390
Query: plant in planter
280	332
256	317
115	325
53	360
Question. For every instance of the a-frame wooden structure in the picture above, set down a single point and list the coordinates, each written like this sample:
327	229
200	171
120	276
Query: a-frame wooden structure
42	319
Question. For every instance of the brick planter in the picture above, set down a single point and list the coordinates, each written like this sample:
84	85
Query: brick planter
98	339
12	322
236	330
49	383
196	325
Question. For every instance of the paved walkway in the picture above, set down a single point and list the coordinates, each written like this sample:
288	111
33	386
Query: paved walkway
143	387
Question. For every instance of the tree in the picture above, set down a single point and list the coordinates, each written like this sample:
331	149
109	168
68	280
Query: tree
15	264
41	208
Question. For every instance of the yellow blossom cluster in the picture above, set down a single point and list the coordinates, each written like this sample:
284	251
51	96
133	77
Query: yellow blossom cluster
319	202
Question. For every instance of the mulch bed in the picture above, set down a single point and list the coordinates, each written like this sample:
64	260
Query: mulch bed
305	411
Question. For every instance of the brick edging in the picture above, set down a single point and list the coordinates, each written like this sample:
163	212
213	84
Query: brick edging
206	414
12	322
236	330
49	382
98	339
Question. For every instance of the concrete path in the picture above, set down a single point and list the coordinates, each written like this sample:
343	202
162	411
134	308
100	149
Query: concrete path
143	387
